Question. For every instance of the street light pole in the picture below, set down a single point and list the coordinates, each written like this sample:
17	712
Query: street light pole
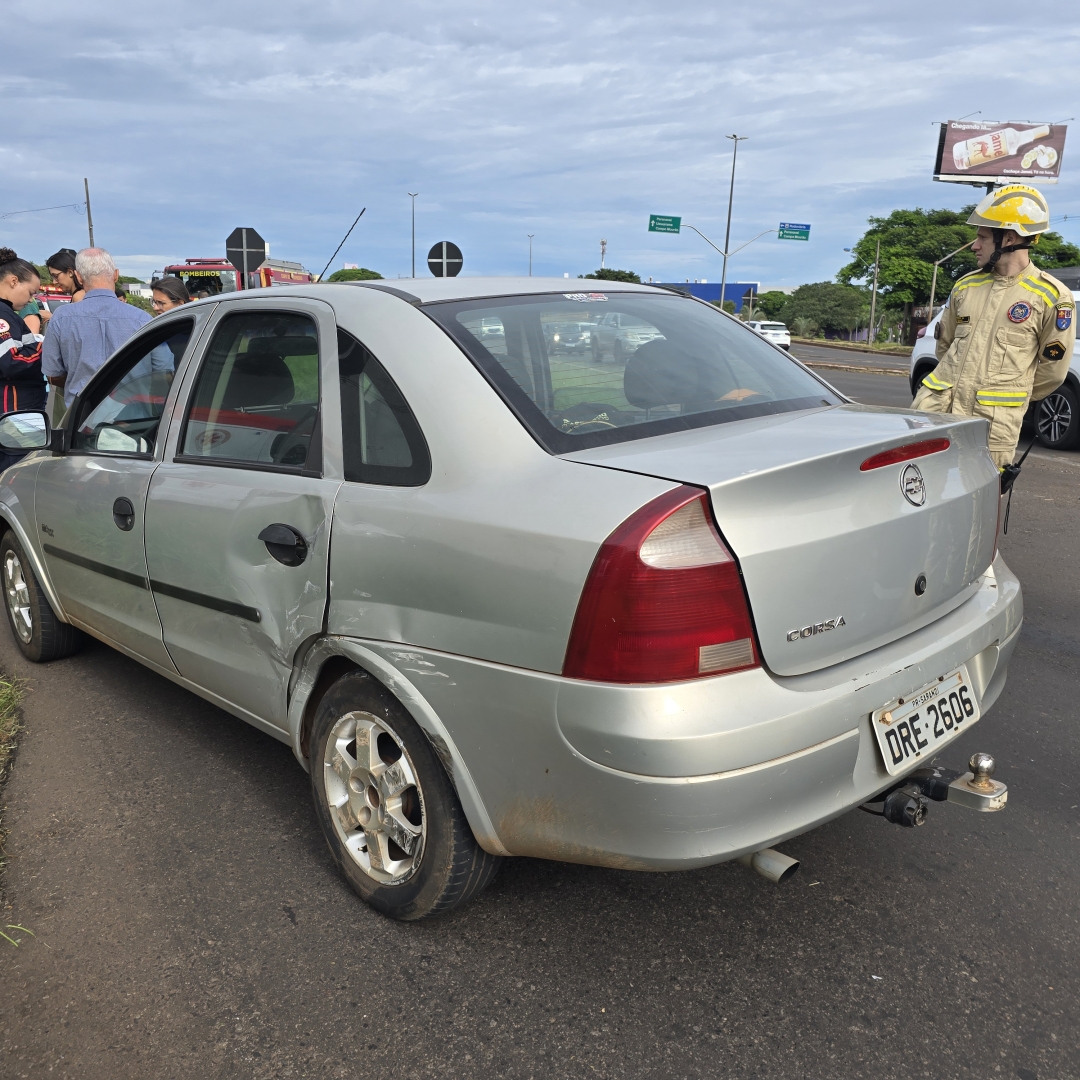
736	139
873	297
530	235
933	280
412	195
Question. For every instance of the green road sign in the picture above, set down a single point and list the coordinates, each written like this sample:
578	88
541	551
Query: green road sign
793	232
664	223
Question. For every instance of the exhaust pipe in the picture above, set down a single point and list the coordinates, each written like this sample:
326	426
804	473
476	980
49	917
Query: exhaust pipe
770	864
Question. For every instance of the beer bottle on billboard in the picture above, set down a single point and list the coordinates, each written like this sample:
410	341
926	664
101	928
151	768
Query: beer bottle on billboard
992	145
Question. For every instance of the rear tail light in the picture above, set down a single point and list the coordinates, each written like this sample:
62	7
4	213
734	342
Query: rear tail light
922	332
663	601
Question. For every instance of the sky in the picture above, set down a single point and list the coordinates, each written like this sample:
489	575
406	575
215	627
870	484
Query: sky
570	121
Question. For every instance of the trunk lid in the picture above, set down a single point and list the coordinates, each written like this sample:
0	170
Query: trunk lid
820	541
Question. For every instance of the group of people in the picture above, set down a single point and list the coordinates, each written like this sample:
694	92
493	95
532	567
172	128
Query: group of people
65	348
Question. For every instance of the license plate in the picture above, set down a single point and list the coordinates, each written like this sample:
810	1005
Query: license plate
909	730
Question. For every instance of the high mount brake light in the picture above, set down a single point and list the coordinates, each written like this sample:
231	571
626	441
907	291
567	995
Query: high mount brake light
663	601
904	453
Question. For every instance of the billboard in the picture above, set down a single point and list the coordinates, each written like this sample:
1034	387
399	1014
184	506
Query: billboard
979	153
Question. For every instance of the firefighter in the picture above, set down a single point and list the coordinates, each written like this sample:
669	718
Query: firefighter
1006	336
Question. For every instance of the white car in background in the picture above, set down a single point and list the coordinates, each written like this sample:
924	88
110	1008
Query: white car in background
1056	417
776	332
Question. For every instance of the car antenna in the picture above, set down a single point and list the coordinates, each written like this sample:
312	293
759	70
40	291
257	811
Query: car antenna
342	244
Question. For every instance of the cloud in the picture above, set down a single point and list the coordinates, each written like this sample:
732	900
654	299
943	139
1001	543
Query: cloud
572	121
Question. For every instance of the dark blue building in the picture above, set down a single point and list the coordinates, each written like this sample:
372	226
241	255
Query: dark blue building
710	290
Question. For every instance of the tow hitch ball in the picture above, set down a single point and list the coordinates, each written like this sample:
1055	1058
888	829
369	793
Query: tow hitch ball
907	803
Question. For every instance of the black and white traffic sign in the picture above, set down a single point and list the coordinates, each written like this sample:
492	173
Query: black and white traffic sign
444	259
246	250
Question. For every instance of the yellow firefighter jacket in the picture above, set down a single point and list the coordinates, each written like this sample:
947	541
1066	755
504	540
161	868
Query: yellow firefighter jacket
1002	342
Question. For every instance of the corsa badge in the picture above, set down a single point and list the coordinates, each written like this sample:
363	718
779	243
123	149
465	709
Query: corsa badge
1064	318
1019	312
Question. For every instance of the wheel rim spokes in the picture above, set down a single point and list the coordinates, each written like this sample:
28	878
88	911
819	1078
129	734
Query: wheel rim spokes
17	594
1055	417
374	798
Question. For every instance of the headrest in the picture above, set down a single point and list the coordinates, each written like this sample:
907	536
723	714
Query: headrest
259	377
660	373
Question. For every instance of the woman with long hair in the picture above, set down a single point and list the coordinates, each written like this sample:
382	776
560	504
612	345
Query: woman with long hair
61	267
22	385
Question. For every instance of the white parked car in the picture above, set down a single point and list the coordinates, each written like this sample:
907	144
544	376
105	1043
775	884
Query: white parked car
1056	417
776	332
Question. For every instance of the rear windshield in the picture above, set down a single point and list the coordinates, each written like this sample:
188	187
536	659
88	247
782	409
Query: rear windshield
586	369
771	326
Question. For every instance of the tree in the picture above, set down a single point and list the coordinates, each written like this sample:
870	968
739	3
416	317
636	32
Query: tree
913	240
129	280
615	275
360	274
828	306
770	304
140	302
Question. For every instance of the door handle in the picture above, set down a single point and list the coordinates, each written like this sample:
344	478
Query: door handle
123	515
285	544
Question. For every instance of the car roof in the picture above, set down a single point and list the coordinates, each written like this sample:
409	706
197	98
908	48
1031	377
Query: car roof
432	290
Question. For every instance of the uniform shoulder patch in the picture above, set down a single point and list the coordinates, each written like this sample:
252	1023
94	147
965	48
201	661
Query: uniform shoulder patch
1054	351
5	328
1063	319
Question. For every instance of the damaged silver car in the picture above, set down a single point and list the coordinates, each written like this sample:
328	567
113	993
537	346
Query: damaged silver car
653	610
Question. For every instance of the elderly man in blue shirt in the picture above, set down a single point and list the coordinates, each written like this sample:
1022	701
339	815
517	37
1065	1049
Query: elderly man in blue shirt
82	336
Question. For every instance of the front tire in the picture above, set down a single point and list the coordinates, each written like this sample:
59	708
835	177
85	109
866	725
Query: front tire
40	635
1057	419
390	815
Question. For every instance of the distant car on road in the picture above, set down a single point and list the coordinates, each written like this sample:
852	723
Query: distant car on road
776	332
1056	418
652	614
575	337
621	334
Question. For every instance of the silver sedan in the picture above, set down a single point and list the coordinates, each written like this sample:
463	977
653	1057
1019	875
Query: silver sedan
654	613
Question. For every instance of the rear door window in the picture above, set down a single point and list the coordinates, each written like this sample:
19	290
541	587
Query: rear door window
584	369
256	401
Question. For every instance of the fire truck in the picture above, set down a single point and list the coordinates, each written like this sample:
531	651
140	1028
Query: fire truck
208	277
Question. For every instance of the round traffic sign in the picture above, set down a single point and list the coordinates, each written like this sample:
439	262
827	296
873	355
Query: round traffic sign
444	259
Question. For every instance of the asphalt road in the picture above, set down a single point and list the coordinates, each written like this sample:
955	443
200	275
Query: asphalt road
831	355
190	923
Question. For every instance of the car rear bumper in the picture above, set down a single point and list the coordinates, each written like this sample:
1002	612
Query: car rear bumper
683	775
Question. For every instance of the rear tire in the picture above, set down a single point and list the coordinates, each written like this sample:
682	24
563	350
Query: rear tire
1057	419
40	635
390	815
920	373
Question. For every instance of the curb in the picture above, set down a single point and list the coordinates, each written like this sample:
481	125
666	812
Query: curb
866	369
847	346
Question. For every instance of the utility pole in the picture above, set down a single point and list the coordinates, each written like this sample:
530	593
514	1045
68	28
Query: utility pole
736	139
603	253
873	297
89	217
530	235
412	195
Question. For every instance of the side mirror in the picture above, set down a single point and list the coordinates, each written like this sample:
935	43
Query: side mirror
25	430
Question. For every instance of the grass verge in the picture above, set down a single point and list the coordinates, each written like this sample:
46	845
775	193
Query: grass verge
10	698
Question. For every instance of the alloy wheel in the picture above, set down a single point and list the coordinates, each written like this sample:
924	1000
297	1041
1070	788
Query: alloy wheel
1055	418
374	798
18	597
